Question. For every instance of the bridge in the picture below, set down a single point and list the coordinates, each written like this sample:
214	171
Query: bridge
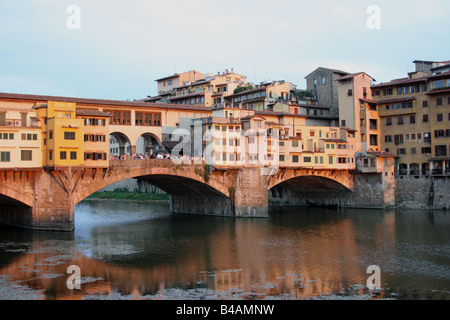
45	199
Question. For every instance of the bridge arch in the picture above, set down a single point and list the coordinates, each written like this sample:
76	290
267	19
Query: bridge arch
302	187
336	180
184	180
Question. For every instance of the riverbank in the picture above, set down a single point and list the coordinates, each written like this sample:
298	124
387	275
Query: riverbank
127	195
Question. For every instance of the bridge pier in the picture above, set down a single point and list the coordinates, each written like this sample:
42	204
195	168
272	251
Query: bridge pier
247	196
250	197
54	206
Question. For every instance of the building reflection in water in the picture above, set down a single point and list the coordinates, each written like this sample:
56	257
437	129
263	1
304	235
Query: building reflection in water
284	256
292	254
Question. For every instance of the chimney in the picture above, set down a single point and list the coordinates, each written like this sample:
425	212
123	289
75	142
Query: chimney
232	70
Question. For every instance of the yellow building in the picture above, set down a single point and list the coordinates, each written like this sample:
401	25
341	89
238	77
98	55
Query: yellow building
20	137
72	137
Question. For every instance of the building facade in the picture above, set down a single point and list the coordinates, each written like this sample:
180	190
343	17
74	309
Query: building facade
415	114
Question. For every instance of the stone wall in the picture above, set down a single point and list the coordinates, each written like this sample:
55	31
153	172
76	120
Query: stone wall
423	193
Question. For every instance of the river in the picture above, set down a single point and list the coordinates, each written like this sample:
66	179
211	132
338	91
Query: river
137	250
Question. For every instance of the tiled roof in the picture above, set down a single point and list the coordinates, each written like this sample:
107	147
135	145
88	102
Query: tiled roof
351	76
382	154
92	113
123	103
438	91
400	81
396	100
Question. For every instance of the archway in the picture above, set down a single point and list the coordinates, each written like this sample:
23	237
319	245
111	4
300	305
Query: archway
414	169
402	169
148	144
308	190
14	212
119	144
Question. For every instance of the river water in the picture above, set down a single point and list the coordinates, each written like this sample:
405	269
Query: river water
136	250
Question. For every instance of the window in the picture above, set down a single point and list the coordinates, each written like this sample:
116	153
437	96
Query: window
330	159
373	124
413	151
73	155
6	136
400	120
295	158
425	104
439	134
388	121
399	90
63	155
342	123
29	136
412	119
294	143
398	139
120	117
323	80
425	118
426	150
439	101
26	155
427	137
439	117
69	135
5	156
387	139
281	157
401	151
307	159
373	140
441	150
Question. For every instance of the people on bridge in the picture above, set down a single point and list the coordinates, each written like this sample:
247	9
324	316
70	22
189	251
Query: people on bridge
141	156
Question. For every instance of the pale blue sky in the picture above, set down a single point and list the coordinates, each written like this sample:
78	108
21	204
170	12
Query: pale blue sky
123	46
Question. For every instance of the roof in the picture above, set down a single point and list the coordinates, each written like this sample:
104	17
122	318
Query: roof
396	100
348	129
175	75
382	154
440	75
103	102
400	81
369	100
92	113
329	69
334	140
351	76
438	91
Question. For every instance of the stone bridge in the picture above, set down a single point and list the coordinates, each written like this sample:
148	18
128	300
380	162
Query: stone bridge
45	198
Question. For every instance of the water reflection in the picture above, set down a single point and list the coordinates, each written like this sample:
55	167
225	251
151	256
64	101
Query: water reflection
142	251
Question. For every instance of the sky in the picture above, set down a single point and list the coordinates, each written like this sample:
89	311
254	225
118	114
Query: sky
115	49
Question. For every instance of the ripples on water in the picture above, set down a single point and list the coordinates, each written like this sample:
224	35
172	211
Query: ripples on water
132	250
